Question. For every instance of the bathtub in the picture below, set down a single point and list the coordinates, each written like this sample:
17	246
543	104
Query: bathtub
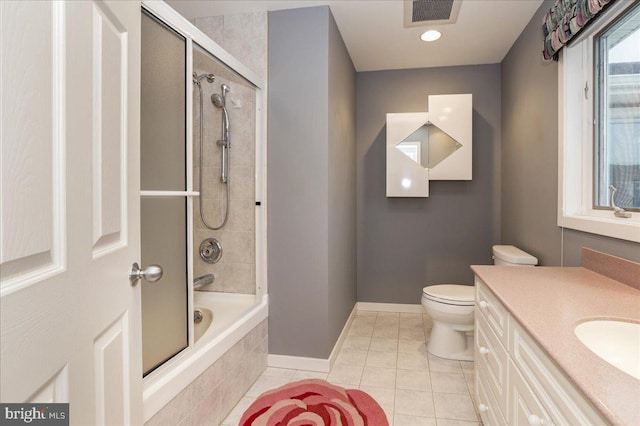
202	318
234	315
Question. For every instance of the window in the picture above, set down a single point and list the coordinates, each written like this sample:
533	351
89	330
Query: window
617	100
599	126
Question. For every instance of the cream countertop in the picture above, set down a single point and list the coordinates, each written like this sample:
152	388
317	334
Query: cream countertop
549	302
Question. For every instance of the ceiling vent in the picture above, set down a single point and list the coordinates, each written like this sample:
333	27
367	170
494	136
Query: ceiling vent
418	13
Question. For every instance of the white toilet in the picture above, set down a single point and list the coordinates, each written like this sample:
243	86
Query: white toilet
451	308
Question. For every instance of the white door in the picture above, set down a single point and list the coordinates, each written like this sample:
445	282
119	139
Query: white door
69	318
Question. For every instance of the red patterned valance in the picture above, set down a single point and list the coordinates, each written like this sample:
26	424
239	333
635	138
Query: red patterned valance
566	19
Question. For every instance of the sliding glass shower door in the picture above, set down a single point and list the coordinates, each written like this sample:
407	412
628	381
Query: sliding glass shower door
164	198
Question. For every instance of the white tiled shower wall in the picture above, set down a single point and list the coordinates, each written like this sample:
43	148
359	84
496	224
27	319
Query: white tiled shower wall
245	37
235	271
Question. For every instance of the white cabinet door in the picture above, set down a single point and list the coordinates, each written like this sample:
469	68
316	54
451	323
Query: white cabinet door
524	406
70	210
489	410
493	359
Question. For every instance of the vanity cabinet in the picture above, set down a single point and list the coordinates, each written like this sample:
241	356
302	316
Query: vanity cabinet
516	382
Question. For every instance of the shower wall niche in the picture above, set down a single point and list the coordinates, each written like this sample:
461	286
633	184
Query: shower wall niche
235	272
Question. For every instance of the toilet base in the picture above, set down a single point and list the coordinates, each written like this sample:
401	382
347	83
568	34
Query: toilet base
446	342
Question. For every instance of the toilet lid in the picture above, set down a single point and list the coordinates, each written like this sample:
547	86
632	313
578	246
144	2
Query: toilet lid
454	294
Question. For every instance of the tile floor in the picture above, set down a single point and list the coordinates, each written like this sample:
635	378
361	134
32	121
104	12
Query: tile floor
385	355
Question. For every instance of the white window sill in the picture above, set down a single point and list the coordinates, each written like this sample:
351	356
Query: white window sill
596	222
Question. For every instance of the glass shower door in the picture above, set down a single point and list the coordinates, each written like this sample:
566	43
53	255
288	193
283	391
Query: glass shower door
164	198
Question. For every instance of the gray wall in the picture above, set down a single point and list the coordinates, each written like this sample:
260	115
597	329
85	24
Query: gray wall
529	162
405	244
311	184
342	182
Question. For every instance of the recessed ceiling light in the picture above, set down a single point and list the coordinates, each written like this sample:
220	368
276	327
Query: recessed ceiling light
431	35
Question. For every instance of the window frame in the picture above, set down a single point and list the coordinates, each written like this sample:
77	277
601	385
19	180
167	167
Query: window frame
577	139
600	111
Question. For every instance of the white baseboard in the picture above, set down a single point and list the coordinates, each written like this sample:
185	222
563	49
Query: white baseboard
299	363
390	307
343	335
313	364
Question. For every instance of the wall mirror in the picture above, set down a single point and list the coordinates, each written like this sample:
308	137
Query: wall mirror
428	146
434	145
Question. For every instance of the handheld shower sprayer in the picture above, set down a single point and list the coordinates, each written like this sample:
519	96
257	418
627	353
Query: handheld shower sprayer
197	79
219	101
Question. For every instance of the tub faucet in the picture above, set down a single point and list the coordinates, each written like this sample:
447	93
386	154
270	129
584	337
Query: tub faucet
203	280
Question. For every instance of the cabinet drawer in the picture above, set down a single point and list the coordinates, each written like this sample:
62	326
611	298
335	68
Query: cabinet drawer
493	311
487	405
492	359
562	401
525	408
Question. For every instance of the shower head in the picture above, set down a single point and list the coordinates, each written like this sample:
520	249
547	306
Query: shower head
221	100
217	100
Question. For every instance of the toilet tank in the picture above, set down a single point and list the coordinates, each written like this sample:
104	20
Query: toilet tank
512	256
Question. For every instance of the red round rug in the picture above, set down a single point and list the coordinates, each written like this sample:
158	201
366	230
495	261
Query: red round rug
314	402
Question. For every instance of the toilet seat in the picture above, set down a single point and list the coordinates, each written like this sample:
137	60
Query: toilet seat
450	294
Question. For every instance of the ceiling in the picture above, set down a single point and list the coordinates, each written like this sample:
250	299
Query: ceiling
376	38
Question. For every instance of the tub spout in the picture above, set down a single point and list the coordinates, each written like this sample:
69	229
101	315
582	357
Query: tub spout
203	280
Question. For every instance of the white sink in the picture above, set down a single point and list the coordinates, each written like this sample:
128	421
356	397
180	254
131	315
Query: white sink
617	342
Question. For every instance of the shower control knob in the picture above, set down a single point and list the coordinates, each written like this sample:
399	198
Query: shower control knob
210	250
151	273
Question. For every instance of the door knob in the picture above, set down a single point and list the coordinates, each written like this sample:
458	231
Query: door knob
151	273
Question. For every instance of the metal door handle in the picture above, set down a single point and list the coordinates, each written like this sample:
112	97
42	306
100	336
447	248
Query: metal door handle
151	273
